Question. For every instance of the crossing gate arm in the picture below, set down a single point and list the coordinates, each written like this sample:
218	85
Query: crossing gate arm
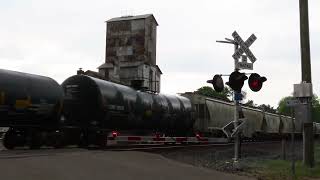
229	130
239	128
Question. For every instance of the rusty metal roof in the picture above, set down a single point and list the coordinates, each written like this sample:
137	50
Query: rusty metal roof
105	65
158	69
127	18
122	64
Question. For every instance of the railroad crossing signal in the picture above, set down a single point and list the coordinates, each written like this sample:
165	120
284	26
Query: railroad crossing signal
256	81
244	46
217	83
244	64
236	81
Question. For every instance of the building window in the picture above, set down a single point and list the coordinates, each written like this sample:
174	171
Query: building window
150	80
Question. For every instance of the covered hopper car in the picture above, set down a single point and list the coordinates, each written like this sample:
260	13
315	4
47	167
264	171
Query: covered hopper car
215	118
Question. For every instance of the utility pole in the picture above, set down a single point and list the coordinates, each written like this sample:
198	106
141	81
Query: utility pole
308	141
237	139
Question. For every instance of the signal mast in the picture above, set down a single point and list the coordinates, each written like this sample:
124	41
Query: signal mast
236	81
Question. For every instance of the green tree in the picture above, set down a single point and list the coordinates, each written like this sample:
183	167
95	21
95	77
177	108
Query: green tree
225	95
282	106
250	103
283	109
315	108
267	108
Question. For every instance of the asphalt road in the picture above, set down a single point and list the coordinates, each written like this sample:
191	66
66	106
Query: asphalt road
81	164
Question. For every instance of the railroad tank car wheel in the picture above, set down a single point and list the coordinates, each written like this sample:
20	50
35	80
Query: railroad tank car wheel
35	141
83	140
9	140
229	139
57	140
103	139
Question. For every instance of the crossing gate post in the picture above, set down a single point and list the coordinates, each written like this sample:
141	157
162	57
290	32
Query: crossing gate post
236	118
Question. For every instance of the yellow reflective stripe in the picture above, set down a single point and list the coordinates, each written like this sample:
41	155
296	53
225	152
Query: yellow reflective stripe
22	103
148	113
60	106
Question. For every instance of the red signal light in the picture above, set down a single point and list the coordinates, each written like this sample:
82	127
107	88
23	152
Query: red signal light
256	81
114	134
254	84
198	136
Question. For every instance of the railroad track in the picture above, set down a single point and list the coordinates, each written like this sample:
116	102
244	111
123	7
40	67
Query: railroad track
142	147
159	147
151	148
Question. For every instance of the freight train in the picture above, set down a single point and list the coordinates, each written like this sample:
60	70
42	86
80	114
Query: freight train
84	110
215	118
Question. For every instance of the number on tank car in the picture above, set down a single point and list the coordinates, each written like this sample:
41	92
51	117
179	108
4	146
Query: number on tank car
72	86
43	101
72	91
115	107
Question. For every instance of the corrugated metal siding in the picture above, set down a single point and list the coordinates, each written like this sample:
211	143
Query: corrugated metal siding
131	41
272	123
317	125
286	124
254	121
298	125
125	41
220	113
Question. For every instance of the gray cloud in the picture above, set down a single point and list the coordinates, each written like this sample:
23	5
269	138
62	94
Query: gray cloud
55	38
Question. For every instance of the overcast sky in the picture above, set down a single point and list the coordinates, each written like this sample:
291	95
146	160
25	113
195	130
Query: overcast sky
55	38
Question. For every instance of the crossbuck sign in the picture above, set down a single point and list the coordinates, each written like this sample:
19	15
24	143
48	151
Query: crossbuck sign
244	47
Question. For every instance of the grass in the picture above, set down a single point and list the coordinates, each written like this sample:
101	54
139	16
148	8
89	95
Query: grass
281	169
